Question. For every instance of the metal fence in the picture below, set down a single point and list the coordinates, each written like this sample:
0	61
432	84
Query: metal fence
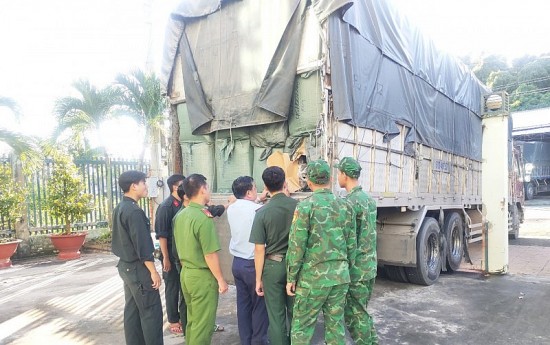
95	177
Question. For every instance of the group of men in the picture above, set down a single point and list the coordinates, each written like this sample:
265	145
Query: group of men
292	259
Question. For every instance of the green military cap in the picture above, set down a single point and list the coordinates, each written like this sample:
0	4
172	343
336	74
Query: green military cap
350	167
318	172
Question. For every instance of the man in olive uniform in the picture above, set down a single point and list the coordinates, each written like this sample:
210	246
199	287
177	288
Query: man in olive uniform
321	250
270	236
198	244
176	310
363	273
132	243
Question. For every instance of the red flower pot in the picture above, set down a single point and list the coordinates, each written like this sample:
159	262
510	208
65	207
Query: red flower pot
6	251
68	245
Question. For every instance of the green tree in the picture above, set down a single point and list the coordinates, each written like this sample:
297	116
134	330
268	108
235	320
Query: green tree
502	80
66	199
12	198
140	96
83	115
490	63
24	147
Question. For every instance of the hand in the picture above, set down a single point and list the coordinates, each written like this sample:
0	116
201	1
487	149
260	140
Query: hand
222	286
155	277
166	265
290	289
285	190
263	196
260	288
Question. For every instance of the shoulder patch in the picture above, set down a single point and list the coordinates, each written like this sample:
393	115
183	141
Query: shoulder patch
207	213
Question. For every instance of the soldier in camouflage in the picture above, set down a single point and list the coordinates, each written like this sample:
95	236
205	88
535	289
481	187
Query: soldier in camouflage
363	273
321	250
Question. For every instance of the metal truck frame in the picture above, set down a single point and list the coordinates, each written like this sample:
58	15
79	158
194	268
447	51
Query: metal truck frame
429	200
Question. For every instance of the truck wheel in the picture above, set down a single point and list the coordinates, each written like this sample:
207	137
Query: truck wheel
454	232
428	258
396	273
529	191
514	214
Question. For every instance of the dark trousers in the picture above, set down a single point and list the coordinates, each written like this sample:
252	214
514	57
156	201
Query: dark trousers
251	312
176	309
277	302
143	309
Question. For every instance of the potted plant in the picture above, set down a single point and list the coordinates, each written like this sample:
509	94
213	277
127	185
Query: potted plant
67	201
12	197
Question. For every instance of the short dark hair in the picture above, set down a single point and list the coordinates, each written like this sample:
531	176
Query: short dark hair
274	178
127	178
241	185
192	184
174	179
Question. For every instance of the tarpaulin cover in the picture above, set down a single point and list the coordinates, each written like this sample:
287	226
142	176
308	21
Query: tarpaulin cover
384	72
239	63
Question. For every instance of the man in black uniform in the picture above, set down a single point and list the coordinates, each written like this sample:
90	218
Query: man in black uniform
176	309
132	243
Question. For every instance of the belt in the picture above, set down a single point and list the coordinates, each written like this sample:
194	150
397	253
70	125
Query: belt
275	257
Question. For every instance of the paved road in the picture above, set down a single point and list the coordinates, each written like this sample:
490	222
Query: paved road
80	302
45	301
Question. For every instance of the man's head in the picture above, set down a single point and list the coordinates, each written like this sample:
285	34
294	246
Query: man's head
174	181
349	171
244	187
196	188
318	173
274	179
132	182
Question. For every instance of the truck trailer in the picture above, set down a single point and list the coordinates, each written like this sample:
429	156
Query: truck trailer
258	83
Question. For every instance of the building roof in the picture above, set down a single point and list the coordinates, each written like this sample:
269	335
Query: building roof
532	125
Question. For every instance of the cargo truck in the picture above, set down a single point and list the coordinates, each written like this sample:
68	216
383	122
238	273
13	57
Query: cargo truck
257	83
536	156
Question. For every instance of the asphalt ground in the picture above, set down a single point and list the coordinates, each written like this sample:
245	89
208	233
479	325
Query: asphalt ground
46	301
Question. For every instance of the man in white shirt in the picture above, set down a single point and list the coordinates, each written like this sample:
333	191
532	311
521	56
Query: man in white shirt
251	312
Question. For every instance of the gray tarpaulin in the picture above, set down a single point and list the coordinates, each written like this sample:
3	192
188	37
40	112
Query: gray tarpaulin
384	72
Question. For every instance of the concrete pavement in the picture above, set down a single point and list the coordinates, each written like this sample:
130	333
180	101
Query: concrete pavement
46	301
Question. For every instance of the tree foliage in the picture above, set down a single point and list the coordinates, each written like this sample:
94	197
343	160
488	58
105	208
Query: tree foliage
12	197
140	96
66	197
527	80
84	114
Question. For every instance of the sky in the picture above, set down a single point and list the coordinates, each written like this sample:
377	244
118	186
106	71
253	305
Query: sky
46	45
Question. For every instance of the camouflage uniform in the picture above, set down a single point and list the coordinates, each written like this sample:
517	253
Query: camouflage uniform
363	273
321	249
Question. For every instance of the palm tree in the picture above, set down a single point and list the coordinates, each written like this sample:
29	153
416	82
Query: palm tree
140	96
85	114
27	150
24	147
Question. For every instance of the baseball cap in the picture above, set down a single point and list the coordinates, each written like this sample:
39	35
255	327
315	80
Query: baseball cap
318	172
349	166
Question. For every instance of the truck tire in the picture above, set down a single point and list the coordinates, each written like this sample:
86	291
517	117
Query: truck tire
454	233
396	273
428	258
529	191
514	214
